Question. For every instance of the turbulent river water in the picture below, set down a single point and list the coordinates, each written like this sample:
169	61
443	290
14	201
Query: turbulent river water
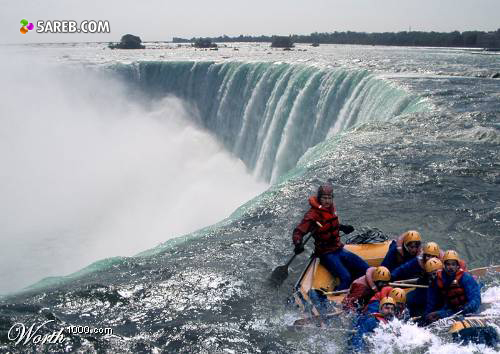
409	137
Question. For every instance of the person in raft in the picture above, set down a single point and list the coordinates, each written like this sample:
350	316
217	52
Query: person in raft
363	288
403	249
454	287
323	222
415	267
367	323
399	296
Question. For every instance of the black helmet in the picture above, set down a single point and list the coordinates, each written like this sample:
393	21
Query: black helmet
325	189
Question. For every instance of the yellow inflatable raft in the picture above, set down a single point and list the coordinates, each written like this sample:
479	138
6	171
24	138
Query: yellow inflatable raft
316	277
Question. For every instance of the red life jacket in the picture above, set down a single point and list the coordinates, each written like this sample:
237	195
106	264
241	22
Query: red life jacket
380	317
463	265
360	292
326	237
454	293
381	294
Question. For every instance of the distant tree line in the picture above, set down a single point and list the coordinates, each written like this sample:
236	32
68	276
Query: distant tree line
477	39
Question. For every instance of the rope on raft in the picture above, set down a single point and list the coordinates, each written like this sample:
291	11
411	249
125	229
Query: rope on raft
371	236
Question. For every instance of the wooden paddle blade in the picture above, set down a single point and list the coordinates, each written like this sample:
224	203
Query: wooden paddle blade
279	275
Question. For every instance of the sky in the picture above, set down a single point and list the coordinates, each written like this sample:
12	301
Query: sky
162	19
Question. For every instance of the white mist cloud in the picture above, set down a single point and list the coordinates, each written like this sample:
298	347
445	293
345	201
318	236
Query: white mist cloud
85	173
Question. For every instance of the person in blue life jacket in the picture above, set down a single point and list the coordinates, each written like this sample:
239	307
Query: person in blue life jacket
404	248
417	299
374	303
322	220
399	295
415	267
367	323
452	290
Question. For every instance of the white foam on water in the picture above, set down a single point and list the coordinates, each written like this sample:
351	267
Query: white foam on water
397	337
491	296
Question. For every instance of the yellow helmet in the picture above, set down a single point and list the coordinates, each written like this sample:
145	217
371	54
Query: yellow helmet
451	255
381	274
386	300
433	264
398	294
431	248
411	236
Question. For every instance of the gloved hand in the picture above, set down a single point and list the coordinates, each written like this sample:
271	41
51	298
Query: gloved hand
299	248
347	229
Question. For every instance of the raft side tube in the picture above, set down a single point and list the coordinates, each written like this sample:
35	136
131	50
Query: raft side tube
316	276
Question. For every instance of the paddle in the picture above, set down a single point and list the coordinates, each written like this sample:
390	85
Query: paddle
404	285
413	280
444	321
280	273
337	292
413	319
479	272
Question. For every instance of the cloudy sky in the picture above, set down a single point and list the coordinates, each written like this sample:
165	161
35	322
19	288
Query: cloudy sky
164	19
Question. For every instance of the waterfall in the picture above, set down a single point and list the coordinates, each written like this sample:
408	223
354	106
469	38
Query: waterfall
269	114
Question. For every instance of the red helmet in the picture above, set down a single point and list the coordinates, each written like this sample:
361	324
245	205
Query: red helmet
325	189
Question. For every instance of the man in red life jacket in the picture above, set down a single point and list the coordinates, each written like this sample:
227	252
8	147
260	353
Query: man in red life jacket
453	287
322	220
403	249
363	288
367	323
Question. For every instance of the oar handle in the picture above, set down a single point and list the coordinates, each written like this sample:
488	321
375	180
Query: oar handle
413	280
337	292
404	285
